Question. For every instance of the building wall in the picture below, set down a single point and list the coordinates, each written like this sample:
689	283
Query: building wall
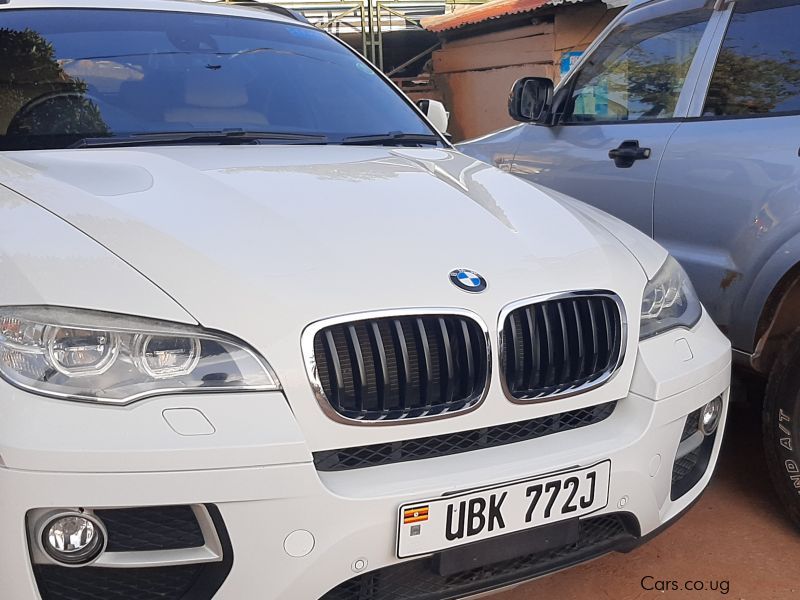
474	74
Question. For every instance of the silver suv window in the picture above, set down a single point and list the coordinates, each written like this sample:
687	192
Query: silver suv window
638	70
758	69
68	75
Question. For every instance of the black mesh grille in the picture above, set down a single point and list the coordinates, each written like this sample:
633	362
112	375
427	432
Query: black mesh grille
689	469
151	528
685	465
692	425
95	583
560	345
464	441
403	367
417	579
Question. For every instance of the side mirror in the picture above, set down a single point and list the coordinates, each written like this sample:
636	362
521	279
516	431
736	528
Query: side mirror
436	113
530	99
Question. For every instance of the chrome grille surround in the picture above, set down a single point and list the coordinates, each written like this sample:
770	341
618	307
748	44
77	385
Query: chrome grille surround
307	343
568	388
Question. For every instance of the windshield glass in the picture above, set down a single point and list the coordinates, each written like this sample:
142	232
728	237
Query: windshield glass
71	74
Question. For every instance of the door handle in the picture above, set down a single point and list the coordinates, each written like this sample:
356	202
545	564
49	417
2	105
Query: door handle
628	153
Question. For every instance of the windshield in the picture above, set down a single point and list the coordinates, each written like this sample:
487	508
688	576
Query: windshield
71	74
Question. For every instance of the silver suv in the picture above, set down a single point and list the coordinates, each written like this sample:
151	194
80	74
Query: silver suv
683	119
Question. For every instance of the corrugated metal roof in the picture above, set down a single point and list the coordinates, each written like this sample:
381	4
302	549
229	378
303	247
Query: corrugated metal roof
486	12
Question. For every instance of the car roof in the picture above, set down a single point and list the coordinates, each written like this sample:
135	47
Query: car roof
634	3
190	6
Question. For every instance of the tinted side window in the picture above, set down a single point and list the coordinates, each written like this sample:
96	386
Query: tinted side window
637	72
758	70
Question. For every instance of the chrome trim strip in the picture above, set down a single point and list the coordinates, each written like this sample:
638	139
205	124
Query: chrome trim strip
601	380
309	359
157	558
211	551
690	444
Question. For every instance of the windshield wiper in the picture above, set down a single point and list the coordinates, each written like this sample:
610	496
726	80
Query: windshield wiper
393	138
226	136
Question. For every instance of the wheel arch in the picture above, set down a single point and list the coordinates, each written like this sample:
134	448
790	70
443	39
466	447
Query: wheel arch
774	303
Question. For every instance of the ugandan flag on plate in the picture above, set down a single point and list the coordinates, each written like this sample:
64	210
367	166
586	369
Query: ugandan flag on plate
415	514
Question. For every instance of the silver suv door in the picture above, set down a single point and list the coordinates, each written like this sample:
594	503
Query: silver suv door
624	102
727	203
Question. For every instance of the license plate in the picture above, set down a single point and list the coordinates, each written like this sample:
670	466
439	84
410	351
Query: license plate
446	522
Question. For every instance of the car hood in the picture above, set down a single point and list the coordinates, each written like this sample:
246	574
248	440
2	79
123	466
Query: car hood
260	241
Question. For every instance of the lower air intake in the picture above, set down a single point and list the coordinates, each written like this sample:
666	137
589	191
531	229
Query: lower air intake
156	528
419	580
387	453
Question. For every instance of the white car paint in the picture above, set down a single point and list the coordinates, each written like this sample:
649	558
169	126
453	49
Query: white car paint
261	241
289	228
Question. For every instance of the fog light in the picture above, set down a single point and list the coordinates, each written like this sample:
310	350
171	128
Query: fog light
710	416
73	538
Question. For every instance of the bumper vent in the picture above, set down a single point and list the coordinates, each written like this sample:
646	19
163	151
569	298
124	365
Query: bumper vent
691	426
399	367
142	532
151	528
561	346
689	468
89	583
456	443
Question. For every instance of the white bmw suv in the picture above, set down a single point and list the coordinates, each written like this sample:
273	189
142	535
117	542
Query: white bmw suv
265	334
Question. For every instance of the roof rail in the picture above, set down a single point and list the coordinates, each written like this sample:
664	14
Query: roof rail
278	10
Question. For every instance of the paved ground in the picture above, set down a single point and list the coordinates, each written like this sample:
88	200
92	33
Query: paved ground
734	539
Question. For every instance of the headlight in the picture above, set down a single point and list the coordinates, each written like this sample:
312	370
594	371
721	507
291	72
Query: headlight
84	355
669	301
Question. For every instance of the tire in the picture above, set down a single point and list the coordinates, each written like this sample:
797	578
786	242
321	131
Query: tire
781	427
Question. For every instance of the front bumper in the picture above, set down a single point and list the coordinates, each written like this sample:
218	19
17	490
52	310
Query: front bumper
265	509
